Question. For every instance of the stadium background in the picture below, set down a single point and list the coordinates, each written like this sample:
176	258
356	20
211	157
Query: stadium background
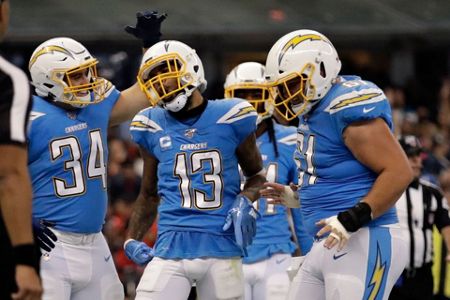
401	45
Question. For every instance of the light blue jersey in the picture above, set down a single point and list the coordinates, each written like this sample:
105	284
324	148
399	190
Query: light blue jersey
67	159
198	177
331	178
273	234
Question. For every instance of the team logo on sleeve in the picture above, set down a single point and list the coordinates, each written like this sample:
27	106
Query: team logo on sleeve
238	112
34	115
142	123
355	98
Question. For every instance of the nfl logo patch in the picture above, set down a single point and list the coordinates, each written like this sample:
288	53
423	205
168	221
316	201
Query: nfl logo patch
72	115
190	132
165	142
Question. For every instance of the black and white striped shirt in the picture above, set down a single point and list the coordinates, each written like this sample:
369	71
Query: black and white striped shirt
420	207
15	103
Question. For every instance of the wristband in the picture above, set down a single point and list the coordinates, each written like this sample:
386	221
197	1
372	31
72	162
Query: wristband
126	242
25	254
355	217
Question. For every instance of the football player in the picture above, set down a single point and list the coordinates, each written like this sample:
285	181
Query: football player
191	148
67	159
270	254
351	171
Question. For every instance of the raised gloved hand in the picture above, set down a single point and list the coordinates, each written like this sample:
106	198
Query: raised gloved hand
139	252
148	27
45	238
243	216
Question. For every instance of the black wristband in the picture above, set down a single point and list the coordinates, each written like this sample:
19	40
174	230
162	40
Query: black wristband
355	217
25	254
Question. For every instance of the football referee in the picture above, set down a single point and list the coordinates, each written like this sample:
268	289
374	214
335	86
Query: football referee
18	256
420	207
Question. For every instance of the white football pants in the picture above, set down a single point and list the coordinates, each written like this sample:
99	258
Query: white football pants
80	267
366	268
267	279
167	279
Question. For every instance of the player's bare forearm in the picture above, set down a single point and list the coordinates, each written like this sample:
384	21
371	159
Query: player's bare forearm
130	102
387	189
252	166
15	194
146	206
252	187
372	143
144	214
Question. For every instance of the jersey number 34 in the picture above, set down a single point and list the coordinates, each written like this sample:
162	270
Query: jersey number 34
96	166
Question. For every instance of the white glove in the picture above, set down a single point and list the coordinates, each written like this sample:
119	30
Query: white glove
296	263
338	233
281	194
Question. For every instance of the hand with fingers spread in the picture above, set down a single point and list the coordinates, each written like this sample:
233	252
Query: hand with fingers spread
44	236
338	234
243	216
276	193
344	224
147	28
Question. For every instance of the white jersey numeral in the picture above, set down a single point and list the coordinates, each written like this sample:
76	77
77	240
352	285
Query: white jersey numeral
191	195
308	153
271	176
96	163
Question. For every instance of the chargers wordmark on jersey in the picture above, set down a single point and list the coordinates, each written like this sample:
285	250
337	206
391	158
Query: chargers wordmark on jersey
76	127
199	146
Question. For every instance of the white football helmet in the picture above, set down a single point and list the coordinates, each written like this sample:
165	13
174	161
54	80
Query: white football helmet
54	66
303	60
247	81
171	60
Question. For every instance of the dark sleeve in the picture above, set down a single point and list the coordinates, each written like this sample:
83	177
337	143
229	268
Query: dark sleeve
15	104
441	218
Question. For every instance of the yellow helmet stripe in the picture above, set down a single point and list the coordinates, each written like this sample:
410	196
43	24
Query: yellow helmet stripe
48	50
292	43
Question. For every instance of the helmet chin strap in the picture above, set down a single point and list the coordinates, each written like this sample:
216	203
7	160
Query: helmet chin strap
303	107
177	103
259	119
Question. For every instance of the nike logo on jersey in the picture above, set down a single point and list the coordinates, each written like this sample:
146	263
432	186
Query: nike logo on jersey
335	257
366	110
107	257
279	261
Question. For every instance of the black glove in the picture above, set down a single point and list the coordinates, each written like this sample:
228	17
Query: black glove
44	236
148	27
